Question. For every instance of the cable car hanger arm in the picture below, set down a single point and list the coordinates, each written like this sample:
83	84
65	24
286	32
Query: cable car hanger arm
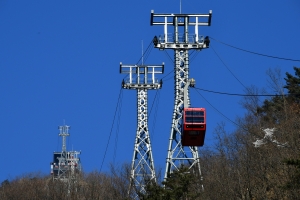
191	82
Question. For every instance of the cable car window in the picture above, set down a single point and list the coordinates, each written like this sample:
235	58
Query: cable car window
189	119
188	112
194	119
199	119
194	113
198	113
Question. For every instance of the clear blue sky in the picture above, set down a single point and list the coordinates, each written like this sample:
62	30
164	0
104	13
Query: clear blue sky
59	61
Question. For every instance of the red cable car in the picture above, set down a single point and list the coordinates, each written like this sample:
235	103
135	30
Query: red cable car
194	127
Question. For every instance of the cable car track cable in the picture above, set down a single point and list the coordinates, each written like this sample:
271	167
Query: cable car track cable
146	52
239	126
227	67
193	56
252	52
167	75
244	95
248	90
118	126
120	93
155	100
166	53
220	112
168	78
150	45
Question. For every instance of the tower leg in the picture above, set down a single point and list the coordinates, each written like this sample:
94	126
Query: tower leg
142	167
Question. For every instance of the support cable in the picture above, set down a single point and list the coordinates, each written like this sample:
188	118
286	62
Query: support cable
168	79
243	128
167	75
247	89
118	126
153	102
252	52
120	94
155	115
147	53
227	67
149	46
193	56
156	102
245	95
220	111
171	60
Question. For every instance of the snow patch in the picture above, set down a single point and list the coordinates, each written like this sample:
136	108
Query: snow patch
269	135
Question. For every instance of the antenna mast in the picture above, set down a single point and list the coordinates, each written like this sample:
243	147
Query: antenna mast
181	44
142	79
64	132
180	6
66	164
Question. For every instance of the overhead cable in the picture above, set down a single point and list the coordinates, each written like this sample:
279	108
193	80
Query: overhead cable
146	51
171	60
243	128
145	55
227	67
192	57
120	95
118	128
260	54
156	102
245	95
218	110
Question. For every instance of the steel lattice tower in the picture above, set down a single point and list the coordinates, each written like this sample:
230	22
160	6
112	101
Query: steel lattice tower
66	164
181	44
142	79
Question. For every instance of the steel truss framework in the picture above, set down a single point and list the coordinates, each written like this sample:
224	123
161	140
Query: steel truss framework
66	164
181	44
142	167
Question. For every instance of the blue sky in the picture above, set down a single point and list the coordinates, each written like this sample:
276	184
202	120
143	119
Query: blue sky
59	63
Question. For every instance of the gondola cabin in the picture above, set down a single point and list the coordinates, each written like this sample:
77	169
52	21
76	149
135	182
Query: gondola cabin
194	127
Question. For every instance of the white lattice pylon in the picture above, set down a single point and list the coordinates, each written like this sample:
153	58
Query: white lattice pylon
142	167
181	43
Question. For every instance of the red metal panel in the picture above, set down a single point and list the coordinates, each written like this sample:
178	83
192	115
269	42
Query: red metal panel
194	127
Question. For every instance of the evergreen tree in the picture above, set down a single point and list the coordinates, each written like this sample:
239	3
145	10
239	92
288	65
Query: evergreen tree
295	178
293	84
153	192
273	111
182	184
